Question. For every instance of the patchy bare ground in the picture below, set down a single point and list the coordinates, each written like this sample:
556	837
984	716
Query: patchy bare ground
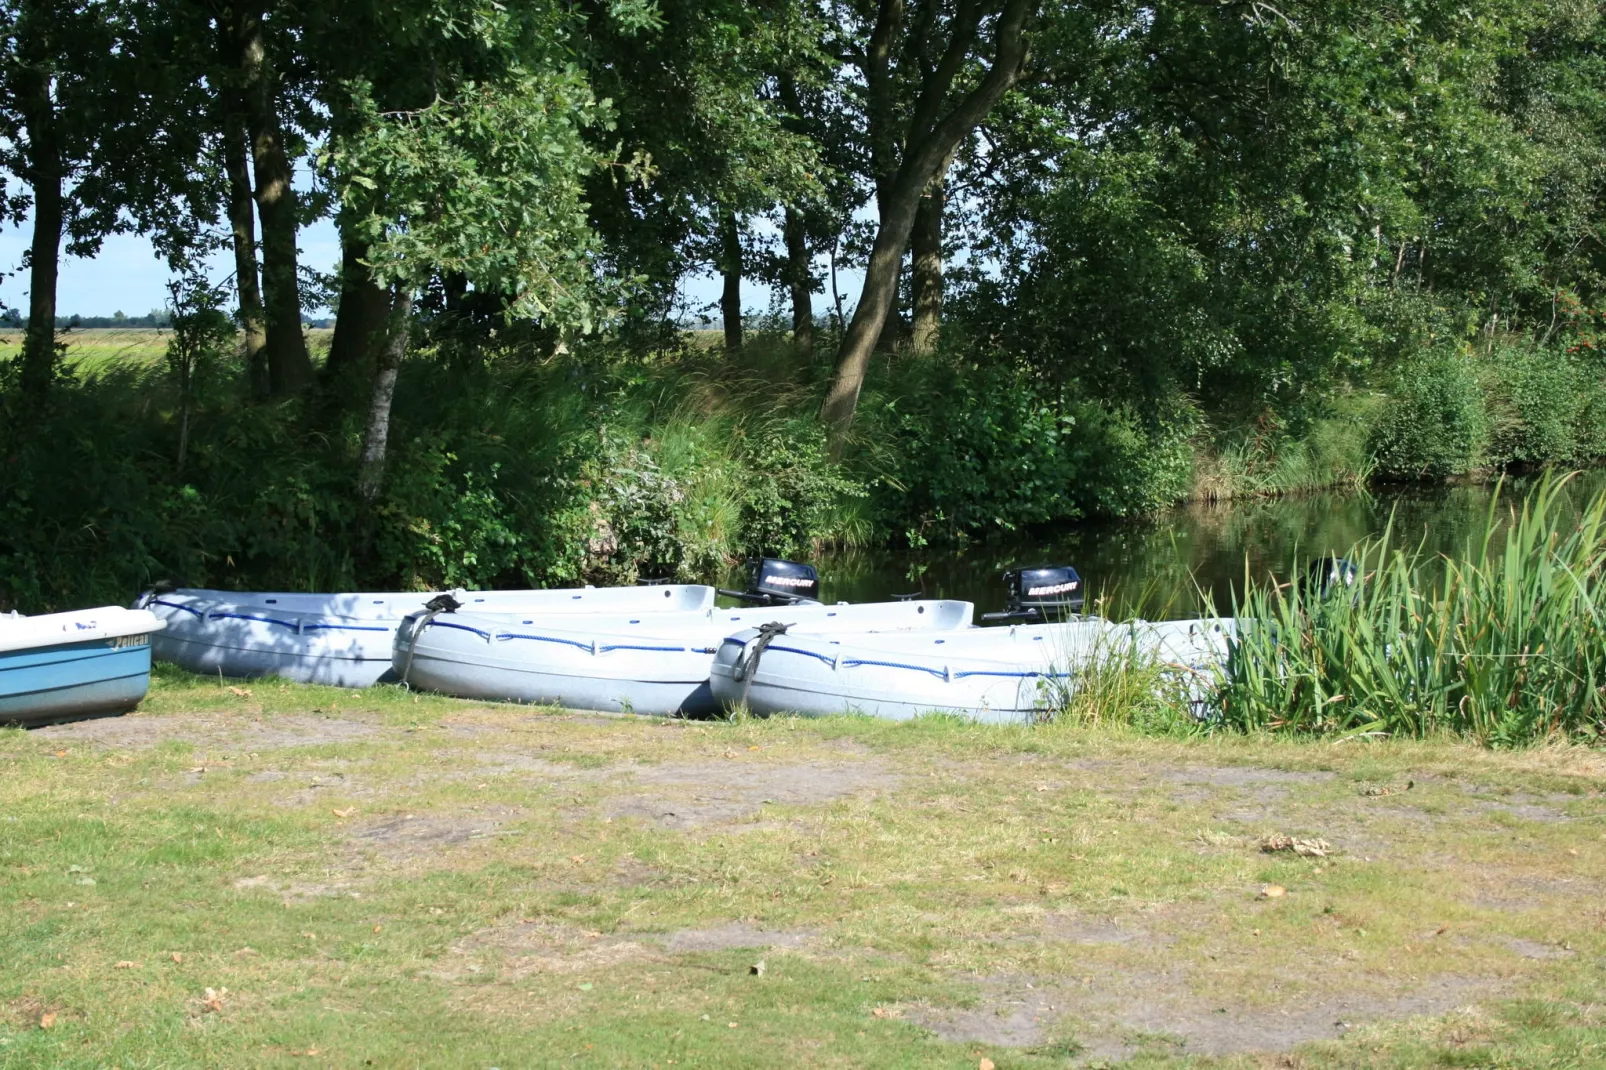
1023	899
237	731
688	796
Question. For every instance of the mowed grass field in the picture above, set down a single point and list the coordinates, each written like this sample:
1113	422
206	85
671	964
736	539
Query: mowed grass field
261	874
95	351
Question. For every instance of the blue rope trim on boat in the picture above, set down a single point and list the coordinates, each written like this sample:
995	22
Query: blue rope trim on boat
601	649
336	627
941	674
177	605
459	627
305	627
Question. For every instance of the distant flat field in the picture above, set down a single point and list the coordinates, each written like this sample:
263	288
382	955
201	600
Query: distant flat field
97	349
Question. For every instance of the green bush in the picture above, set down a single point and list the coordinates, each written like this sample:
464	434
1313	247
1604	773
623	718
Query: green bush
793	490
1433	424
966	450
1544	406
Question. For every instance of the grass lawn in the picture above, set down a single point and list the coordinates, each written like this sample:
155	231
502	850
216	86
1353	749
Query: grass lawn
272	875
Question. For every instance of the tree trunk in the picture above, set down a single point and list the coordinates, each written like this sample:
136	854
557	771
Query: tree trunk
730	300
926	251
932	140
371	475
364	309
44	167
801	281
242	225
289	367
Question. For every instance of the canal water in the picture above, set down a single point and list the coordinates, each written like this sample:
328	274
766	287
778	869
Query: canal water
1168	566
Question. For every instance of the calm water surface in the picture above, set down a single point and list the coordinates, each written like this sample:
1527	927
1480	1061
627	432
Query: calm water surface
1158	567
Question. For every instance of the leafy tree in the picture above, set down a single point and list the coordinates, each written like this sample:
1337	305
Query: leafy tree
923	95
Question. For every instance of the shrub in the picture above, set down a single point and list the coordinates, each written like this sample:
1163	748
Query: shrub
1433	424
794	492
1544	406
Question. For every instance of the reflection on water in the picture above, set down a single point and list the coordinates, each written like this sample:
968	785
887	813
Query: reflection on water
1156	567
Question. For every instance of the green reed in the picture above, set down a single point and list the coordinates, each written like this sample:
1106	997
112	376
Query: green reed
1505	643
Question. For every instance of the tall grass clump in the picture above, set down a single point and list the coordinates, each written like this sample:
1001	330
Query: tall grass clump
1505	644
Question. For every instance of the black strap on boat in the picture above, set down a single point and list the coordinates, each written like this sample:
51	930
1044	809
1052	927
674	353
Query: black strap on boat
747	665
441	603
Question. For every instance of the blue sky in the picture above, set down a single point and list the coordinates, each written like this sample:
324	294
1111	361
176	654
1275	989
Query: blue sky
127	276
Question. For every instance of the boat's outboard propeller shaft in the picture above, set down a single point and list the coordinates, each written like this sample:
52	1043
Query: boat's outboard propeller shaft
775	582
1041	594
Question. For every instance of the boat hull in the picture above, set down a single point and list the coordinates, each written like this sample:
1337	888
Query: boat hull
347	640
70	681
992	675
650	665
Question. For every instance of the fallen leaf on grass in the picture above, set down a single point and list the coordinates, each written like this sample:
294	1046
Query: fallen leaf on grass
178	956
47	1019
1273	891
126	965
212	1002
242	692
1310	848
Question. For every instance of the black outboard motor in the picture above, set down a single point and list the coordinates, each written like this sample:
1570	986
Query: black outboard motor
774	582
1041	594
1330	573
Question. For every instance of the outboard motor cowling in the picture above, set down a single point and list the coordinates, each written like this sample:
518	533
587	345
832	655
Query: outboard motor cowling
1329	573
776	582
1040	594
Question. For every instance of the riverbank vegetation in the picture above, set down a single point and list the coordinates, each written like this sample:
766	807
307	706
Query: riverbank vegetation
1103	260
1504	643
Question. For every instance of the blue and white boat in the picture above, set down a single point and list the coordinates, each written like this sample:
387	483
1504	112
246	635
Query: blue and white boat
65	666
650	664
347	640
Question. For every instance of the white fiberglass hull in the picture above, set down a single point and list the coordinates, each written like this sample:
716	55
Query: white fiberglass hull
1000	675
347	640
650	665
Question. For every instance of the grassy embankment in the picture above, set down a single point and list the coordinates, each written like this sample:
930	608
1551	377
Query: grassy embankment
272	875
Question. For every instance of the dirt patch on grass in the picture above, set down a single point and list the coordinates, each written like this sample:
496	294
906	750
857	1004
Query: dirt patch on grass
1158	1012
1093	931
415	837
684	796
521	949
135	732
1239	776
